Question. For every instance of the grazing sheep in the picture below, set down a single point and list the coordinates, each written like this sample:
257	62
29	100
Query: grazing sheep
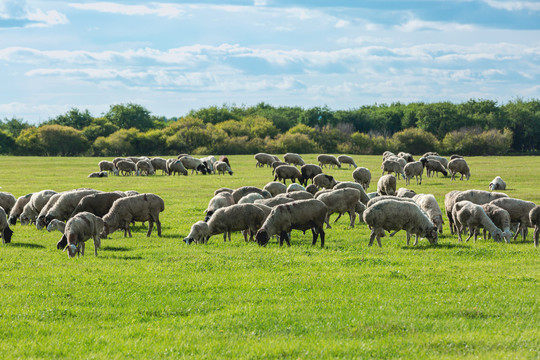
406	156
284	172
108	166
392	166
440	159
244	190
349	184
362	176
459	166
225	159
497	184
294	159
455	156
17	209
501	219
5	231
429	205
312	189
479	197
324	181
376	199
219	201
402	192
413	169
325	159
433	166
66	203
37	202
143	207
400	160
56	224
264	159
275	188
209	161
159	163
79	229
473	216
296	195
340	201
144	167
222	167
275	164
40	220
300	215
194	164
198	233
309	171
386	185
534	218
345	159
98	204
175	166
519	211
295	187
250	198
126	167
238	217
275	201
223	189
100	174
387	154
398	215
7	201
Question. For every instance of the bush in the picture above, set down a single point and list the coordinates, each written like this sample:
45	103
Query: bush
121	143
474	141
414	141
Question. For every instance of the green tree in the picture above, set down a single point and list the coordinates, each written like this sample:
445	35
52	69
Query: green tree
414	141
258	126
7	142
99	127
127	116
14	126
439	118
28	142
124	142
73	118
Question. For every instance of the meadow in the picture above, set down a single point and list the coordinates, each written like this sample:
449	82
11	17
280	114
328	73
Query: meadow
159	298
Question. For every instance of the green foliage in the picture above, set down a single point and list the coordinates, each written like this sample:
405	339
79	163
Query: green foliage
7	142
297	143
439	118
477	142
121	143
14	126
99	127
73	118
127	116
414	141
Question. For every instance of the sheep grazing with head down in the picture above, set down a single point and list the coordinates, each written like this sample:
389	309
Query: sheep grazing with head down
219	201
126	167
497	184
299	215
473	216
7	201
98	204
198	233
66	203
294	159
175	166
143	207
309	171
209	161
433	167
346	159
295	187
159	163
429	205
440	159
275	188
413	169
40	220
387	185
284	172
225	159
108	166
406	156
459	165
222	168
264	159
17	209
392	166
196	165
406	193
325	159
57	225
37	202
534	218
398	215
324	181
144	167
519	211
349	184
5	231
244	190
80	228
340	201
275	164
501	219
362	176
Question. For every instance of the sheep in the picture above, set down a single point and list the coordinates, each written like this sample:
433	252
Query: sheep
294	159
131	193
466	213
519	213
297	195
79	229
406	193
387	154
225	159
398	215
175	166
449	201
274	201
386	185
400	160
324	181
349	184
108	166
455	156
312	189
236	217
534	218
325	159
406	156
264	159
413	169
244	190
143	207
479	197
56	224
194	164
295	187
459	166
159	163
497	184
392	166
440	159
100	174
501	219
126	167
250	198
66	203
275	164
136	159
209	161
198	233
309	171
17	209
40	220
223	189
284	172
433	166
429	205
144	167
37	202
275	188
219	201
340	201
345	159
5	231
98	204
362	176
376	199
222	167
7	201
299	215
118	159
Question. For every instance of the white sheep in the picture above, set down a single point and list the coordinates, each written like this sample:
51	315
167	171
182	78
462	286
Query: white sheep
37	201
219	201
501	219
244	190
126	167
56	224
433	167
284	172
442	160
459	165
7	201
144	167
194	164
250	198
364	198
413	169
210	162
325	159
109	166
386	185
275	188
392	166
346	159
324	181
80	228
175	166
66	203
519	211
497	184
406	193
293	158
264	159
473	216
100	174
159	163
340	201
429	205
17	209
199	233
362	176
295	187
222	168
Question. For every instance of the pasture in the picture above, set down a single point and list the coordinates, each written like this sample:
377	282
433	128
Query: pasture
158	298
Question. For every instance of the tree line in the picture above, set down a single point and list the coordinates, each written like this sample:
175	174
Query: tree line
475	127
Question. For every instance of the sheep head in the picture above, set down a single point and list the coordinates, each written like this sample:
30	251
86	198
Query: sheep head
262	237
432	236
72	250
6	235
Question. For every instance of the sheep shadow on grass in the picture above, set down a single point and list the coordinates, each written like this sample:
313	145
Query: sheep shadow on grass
26	245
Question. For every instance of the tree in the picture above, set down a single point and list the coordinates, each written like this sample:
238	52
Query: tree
62	140
7	142
127	116
14	126
439	118
99	127
73	118
414	141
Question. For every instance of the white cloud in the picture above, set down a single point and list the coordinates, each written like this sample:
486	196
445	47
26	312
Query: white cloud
342	23
413	25
163	10
514	5
30	16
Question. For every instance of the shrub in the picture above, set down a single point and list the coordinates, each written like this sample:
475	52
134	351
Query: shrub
474	141
414	141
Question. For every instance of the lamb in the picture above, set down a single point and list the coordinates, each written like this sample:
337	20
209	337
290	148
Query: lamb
497	184
66	203
244	190
386	185
300	215
433	166
284	172
349	184
398	215
198	233
312	189
126	167
37	202
56	224
324	181
325	159
392	166
225	159
264	159
294	159
362	176
406	193
250	198
236	217
519	213
340	201
309	171
459	166
413	169
17	209
108	166
5	231
534	218
98	204
159	163
100	174
295	187
7	201
219	201
466	213
194	164
222	167
429	205
79	229
345	159
275	188
175	166
501	219
143	207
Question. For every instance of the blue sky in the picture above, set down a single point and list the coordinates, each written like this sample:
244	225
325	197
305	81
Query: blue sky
175	56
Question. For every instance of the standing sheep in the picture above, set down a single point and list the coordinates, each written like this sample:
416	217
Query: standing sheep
5	231
325	159
284	172
294	159
429	205
473	216
159	163
534	218
433	167
309	171
98	204
275	188
225	159
17	209
7	201
194	164
459	166
108	166
392	166
519	211
440	159
144	167
501	219
66	203
345	159
175	166
126	167
386	185
497	184
264	159
324	181
79	229
349	184
222	167
219	201
362	176
413	169
340	201
37	202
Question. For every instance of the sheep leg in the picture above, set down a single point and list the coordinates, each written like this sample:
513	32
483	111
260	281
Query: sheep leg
326	220
339	215
158	226
415	240
394	233
129	230
408	237
372	237
352	215
517	232
82	248
379	240
97	244
150	227
536	233
524	233
225	236
471	231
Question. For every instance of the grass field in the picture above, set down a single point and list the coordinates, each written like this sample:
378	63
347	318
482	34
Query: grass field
158	298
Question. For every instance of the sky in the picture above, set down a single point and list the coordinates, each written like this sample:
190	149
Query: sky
172	57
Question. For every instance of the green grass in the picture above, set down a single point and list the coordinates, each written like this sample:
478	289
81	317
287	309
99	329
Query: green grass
158	298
